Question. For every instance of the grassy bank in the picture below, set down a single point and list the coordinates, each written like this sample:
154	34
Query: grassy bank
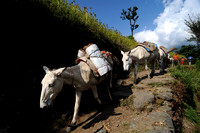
190	78
87	21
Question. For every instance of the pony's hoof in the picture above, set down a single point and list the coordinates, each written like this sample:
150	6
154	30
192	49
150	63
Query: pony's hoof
68	129
136	82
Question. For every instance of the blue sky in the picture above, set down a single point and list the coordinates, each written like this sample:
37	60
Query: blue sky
160	21
109	12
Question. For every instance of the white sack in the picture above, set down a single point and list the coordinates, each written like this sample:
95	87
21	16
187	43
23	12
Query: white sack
80	53
98	59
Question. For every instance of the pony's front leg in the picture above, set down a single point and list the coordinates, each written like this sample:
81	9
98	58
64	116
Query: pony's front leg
147	69
153	64
76	108
94	90
135	73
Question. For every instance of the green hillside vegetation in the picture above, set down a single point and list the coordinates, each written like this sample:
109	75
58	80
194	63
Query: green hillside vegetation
189	76
83	18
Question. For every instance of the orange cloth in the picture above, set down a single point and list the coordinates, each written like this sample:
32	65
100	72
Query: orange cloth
103	52
175	57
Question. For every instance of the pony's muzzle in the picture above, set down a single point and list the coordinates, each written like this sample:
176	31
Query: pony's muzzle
42	104
126	69
45	104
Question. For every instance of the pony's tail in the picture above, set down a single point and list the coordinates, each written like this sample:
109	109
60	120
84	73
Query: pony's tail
115	58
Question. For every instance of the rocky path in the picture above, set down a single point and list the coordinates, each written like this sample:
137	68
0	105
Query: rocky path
152	102
147	109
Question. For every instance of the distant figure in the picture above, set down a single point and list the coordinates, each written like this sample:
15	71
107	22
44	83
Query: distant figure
190	59
189	62
176	57
182	61
172	61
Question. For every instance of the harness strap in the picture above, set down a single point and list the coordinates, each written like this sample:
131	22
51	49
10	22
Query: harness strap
106	53
144	48
94	51
148	49
94	69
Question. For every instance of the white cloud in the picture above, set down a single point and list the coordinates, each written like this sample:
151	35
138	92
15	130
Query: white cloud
146	35
171	30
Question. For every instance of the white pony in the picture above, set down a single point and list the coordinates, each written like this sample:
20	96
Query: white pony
172	61
80	76
139	55
163	57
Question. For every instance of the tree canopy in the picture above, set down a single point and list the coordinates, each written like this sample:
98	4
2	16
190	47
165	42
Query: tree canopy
189	50
194	29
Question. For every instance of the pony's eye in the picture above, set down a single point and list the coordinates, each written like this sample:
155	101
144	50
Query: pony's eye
51	85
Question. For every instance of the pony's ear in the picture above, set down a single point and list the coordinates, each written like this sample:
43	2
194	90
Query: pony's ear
59	71
46	69
122	52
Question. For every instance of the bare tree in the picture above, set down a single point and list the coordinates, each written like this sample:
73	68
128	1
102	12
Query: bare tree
132	16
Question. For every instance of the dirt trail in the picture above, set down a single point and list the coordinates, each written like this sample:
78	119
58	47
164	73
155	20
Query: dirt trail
147	109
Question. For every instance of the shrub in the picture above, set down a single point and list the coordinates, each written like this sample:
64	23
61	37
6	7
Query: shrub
197	65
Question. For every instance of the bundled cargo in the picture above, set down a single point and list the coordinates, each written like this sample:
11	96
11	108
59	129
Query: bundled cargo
98	59
81	53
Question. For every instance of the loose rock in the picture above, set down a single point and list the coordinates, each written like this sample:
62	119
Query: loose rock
142	99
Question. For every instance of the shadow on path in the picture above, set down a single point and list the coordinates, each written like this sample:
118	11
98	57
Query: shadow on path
107	110
97	117
151	76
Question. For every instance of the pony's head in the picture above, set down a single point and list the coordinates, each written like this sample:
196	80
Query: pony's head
126	59
52	84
